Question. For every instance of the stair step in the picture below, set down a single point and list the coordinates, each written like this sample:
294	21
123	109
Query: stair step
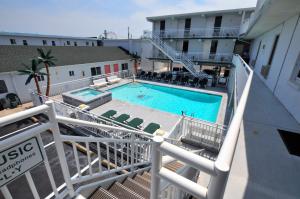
174	166
143	181
147	175
137	187
102	194
121	191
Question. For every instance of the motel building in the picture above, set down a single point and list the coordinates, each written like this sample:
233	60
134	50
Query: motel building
205	105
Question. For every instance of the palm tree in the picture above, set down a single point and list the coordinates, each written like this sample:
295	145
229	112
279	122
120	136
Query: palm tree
48	60
135	58
33	72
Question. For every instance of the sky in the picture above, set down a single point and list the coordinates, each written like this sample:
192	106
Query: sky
91	17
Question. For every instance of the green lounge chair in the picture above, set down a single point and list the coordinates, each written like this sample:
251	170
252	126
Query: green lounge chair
151	128
122	118
109	114
135	122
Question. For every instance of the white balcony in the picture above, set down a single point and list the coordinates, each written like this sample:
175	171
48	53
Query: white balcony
210	32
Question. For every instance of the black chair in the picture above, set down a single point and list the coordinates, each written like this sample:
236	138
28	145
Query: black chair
203	82
185	80
162	76
141	74
195	82
13	100
169	77
177	79
154	76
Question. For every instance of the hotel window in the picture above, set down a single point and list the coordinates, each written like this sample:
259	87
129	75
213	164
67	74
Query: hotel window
25	43
13	41
45	42
87	43
68	43
71	73
82	73
53	43
95	71
75	43
40	78
92	43
3	88
125	66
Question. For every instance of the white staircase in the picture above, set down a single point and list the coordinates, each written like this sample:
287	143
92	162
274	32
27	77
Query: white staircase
173	54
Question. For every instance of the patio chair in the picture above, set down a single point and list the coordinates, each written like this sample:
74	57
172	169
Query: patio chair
203	82
149	75
113	79
151	128
195	81
162	76
135	123
13	100
177	79
97	83
109	114
154	76
122	118
141	74
184	80
169	78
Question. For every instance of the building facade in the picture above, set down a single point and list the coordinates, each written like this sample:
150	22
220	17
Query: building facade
27	39
73	64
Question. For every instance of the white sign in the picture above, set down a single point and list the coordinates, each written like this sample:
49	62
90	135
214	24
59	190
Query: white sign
18	159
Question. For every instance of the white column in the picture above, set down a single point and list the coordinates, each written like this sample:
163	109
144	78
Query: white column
156	165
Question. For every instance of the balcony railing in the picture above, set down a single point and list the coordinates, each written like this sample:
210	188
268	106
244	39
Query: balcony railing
211	32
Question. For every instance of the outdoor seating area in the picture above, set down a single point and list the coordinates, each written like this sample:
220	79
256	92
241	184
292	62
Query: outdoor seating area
175	78
104	81
136	123
11	100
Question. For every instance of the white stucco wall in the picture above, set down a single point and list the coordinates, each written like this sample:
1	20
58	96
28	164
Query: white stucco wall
16	83
287	51
38	41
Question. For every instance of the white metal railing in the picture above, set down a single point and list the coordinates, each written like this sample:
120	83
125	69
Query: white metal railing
217	57
218	169
118	154
172	53
59	88
209	32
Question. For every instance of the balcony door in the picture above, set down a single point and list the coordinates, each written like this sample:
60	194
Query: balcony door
217	25
185	46
107	69
162	27
213	49
187	26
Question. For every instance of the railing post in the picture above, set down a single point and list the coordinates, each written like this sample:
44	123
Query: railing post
156	165
60	148
217	183
132	152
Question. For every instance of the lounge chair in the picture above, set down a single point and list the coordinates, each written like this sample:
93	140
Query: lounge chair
184	80
177	79
13	100
113	79
141	74
154	76
122	118
109	114
149	75
162	76
97	83
135	122
203	82
151	128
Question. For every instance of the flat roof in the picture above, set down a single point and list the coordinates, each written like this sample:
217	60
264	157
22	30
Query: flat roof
212	12
12	57
20	34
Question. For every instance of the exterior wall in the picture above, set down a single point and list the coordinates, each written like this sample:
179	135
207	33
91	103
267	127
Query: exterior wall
58	74
284	60
38	41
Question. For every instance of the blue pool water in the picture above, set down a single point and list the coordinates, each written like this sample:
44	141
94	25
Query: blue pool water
200	105
87	93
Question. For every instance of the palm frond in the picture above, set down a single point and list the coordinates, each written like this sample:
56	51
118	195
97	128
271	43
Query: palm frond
29	79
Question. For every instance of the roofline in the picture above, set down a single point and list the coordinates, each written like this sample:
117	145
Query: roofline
19	34
212	12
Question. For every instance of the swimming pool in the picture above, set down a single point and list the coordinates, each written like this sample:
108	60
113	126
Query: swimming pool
197	104
86	93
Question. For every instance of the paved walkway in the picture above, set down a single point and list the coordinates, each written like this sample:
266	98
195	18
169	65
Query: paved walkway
262	166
